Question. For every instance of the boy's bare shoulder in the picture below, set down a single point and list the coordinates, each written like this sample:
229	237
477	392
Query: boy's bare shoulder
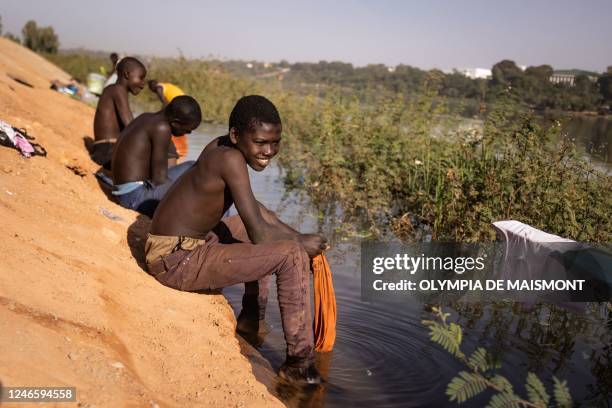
223	157
230	153
158	126
114	90
109	89
107	95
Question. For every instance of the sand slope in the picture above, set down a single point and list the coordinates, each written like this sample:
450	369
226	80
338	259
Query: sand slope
75	307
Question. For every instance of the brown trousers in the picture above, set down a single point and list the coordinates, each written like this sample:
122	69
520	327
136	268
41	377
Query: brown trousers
227	257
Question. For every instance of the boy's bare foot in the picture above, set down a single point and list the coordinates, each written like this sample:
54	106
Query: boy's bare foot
300	375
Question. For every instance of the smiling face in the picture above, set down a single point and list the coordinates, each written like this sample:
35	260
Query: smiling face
259	145
136	80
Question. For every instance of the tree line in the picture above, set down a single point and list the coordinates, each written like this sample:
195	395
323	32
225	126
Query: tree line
532	86
39	39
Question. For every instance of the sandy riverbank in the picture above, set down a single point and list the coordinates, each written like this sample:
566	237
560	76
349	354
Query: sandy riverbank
75	307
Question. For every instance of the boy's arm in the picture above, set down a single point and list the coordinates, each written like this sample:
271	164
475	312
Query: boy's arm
273	220
234	172
159	156
120	97
254	215
159	91
313	243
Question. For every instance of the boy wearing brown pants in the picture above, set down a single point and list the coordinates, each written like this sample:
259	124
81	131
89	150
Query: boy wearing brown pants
200	250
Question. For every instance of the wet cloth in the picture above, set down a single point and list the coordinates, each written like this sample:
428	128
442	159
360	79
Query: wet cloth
528	250
181	145
144	196
226	257
324	305
102	152
532	254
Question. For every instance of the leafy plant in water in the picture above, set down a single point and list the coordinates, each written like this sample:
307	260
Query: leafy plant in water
409	165
481	374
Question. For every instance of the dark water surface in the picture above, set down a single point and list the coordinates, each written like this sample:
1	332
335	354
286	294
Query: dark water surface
592	135
383	356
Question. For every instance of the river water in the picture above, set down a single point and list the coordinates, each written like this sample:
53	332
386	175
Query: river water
593	136
383	356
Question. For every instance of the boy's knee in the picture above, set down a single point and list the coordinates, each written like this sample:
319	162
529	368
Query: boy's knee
292	249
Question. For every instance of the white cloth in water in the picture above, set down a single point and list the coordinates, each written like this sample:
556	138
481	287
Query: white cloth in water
529	252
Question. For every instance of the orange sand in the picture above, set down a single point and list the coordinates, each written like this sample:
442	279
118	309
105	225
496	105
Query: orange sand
75	307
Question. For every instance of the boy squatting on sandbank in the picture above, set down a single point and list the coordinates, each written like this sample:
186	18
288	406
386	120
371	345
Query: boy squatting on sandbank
198	250
141	176
166	92
113	112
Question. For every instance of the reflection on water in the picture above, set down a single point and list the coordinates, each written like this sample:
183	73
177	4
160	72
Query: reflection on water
593	135
383	356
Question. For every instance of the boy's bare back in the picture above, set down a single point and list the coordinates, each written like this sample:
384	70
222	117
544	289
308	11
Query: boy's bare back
142	150
112	113
201	195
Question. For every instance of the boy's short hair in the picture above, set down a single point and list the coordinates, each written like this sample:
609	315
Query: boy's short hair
251	111
185	109
129	63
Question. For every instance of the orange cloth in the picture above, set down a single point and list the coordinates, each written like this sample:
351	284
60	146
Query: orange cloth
181	144
324	304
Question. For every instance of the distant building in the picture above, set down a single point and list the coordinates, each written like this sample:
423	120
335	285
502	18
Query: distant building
568	76
475	73
560	78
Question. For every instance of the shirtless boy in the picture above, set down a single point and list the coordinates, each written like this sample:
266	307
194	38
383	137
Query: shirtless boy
198	250
166	92
113	113
140	168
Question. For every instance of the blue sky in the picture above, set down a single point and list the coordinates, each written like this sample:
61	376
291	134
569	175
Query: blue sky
438	33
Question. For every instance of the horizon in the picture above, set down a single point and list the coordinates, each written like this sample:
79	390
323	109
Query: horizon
108	52
441	34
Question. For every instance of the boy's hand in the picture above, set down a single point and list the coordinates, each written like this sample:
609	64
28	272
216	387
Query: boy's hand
314	244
